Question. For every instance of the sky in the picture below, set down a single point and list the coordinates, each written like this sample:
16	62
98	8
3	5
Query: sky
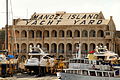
25	8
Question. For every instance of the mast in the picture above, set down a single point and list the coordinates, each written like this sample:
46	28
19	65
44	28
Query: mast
79	52
6	28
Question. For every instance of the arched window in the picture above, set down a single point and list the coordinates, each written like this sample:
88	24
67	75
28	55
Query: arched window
54	33
84	33
84	48
24	48
92	33
107	46
61	48
77	33
92	46
23	34
46	33
31	34
17	34
61	33
46	46
54	48
69	48
38	34
69	33
76	46
16	47
100	33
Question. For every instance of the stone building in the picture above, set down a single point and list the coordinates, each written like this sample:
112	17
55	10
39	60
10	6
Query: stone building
59	33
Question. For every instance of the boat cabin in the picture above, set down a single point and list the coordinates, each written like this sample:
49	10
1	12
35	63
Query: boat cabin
98	73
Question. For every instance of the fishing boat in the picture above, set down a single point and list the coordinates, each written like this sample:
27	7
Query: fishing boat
38	61
100	64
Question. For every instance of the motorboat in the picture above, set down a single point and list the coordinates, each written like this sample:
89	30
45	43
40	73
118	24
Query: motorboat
100	64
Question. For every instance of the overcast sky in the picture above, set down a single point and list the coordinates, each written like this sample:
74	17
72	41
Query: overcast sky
25	8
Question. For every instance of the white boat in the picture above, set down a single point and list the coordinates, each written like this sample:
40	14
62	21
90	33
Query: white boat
101	64
38	61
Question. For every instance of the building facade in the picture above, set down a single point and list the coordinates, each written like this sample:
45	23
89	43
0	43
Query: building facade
59	33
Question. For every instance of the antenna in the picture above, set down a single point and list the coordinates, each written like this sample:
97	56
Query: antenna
6	28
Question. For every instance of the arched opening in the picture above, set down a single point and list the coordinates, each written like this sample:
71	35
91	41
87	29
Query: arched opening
92	33
54	48
76	46
38	34
84	33
23	34
107	45
69	48
46	46
16	48
46	33
23	48
100	33
69	33
31	34
92	47
39	45
61	33
54	33
61	48
77	33
17	34
84	48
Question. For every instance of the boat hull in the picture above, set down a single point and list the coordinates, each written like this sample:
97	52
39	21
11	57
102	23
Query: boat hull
67	76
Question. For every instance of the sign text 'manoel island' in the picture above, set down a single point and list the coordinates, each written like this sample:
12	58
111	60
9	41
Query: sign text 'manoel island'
53	19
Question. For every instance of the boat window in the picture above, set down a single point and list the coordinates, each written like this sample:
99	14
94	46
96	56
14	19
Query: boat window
105	74
97	62
36	50
91	62
102	50
75	71
92	73
71	71
75	61
99	73
85	72
67	71
82	61
112	57
35	56
86	61
111	74
78	60
79	71
46	57
72	61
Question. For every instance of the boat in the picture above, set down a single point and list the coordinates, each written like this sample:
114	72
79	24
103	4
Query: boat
100	64
38	61
8	64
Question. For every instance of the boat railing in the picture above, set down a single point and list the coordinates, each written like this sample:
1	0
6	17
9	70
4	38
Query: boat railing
87	72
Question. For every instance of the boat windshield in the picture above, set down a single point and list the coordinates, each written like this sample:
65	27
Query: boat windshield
35	50
102	50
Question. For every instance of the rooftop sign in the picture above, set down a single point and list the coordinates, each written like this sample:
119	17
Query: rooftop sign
64	19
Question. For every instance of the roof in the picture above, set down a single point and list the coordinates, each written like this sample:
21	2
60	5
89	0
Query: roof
64	18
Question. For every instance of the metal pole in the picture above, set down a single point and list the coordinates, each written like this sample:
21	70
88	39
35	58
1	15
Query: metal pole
79	52
6	28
